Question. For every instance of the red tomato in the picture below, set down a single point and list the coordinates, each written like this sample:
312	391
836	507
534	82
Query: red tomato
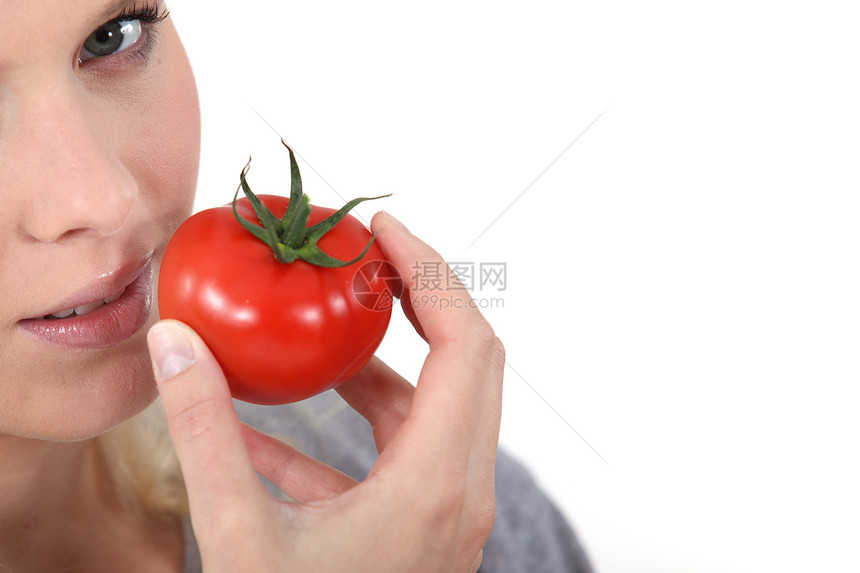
281	332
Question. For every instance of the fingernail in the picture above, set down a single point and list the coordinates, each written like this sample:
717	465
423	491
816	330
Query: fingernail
170	349
396	222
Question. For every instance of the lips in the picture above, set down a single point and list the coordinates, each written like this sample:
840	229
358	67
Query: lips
105	313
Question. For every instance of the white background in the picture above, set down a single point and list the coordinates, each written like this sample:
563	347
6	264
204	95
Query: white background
682	280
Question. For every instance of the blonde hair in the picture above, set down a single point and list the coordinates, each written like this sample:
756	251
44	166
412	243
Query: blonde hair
142	465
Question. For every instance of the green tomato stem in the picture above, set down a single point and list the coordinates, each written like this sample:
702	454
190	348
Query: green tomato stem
289	237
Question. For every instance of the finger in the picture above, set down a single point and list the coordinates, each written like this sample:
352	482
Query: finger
298	475
456	408
202	421
409	310
382	396
438	301
476	564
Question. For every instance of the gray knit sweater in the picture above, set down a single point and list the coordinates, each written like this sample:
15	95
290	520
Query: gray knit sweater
530	534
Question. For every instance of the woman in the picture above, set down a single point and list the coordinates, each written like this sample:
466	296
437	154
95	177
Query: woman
99	146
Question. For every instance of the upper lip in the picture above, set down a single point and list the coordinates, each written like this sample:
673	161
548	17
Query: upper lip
104	285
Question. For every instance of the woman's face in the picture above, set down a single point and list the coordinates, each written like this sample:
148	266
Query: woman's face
99	149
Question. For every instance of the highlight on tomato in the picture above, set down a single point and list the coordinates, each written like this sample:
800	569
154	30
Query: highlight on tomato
291	298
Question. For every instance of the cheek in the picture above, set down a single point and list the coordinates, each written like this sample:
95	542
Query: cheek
164	150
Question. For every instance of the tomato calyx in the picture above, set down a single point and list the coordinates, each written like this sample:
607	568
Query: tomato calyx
289	237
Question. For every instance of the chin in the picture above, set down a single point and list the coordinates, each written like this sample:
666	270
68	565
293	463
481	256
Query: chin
82	395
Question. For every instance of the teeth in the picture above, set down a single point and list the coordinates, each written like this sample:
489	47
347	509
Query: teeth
87	308
113	297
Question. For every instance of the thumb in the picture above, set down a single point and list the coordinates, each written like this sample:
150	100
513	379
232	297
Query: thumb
201	419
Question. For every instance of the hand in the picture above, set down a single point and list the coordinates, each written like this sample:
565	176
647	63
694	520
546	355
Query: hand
427	503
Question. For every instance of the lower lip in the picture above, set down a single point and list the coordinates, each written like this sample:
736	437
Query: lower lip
106	326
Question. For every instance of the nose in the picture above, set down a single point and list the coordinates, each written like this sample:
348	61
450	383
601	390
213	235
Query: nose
71	178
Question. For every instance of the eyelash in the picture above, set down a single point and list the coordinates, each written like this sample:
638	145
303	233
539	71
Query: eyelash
149	15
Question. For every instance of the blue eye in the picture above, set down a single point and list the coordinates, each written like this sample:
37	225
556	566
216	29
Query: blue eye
112	37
